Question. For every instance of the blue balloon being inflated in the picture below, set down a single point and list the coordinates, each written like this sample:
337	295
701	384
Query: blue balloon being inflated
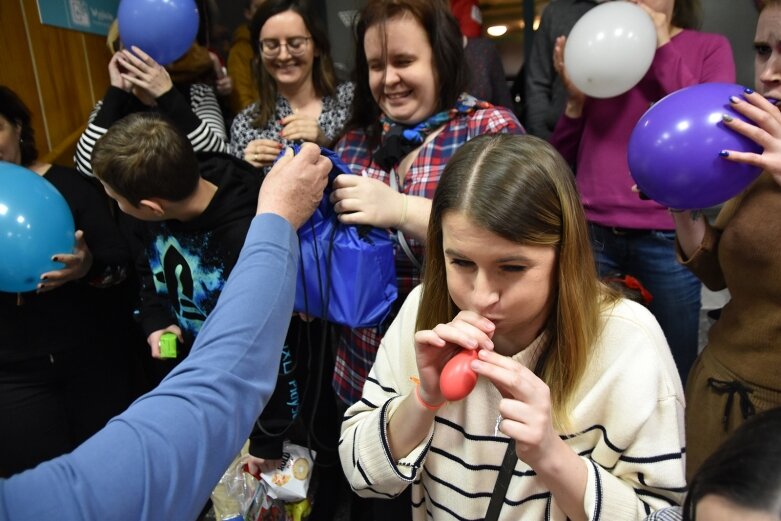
164	29
674	149
35	224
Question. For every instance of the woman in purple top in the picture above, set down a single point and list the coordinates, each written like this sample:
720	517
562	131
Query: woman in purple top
628	234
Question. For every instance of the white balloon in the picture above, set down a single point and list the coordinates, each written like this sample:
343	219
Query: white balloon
610	49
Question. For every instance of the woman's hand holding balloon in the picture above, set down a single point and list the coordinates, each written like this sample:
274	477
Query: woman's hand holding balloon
525	407
526	418
660	20
144	73
575	97
76	266
299	127
435	347
115	73
766	133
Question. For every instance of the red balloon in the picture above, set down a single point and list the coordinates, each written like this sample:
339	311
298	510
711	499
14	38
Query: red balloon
458	379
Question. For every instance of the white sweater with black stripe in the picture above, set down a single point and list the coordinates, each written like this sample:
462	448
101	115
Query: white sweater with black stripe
627	424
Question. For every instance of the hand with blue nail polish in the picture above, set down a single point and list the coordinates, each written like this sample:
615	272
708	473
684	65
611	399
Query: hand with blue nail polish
76	265
766	132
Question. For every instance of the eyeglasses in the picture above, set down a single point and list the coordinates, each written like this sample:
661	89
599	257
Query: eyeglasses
295	46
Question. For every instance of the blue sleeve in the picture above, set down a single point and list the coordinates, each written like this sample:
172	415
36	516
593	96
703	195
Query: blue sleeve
160	459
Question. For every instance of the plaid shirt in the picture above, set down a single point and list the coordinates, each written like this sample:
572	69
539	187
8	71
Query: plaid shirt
357	348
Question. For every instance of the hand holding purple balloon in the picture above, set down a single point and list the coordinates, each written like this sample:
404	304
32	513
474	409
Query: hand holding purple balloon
674	150
766	132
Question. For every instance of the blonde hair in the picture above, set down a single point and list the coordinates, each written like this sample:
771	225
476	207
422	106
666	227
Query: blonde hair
521	189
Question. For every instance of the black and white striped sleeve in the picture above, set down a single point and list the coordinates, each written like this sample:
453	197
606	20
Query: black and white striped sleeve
210	134
114	105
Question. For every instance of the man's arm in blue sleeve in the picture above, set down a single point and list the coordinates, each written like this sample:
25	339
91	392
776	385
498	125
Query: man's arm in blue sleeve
160	459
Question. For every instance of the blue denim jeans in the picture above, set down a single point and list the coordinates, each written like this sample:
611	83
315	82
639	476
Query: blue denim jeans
649	256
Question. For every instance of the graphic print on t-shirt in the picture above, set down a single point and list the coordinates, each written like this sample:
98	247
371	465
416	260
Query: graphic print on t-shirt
189	273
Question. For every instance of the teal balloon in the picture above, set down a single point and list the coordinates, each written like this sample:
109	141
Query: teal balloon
35	224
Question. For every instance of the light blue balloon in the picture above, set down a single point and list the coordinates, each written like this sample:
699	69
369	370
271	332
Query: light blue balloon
164	29
35	224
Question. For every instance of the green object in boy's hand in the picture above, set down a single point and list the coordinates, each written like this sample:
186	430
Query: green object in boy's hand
168	345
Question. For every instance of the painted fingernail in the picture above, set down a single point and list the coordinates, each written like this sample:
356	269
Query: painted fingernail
734	99
44	277
724	153
726	117
748	91
55	258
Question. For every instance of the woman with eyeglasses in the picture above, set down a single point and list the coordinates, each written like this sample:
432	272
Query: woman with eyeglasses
298	98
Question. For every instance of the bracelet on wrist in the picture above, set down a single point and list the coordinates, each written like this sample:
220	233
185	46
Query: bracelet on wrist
421	401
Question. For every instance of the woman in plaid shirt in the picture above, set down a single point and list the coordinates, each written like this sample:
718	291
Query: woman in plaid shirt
410	115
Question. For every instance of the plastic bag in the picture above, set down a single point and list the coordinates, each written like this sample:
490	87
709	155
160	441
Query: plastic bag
239	496
290	481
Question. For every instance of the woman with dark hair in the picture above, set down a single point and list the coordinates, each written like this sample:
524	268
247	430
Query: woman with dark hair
61	377
630	235
577	407
410	115
298	98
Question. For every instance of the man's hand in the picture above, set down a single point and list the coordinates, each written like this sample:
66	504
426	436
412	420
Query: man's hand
294	186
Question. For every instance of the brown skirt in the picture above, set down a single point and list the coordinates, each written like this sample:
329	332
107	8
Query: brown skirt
717	403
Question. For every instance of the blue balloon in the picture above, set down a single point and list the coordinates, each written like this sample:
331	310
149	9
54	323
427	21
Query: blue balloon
164	29
35	224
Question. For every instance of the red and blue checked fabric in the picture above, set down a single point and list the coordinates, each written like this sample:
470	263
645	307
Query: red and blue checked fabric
357	348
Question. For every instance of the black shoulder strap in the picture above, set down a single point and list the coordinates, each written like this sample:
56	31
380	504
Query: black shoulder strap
502	482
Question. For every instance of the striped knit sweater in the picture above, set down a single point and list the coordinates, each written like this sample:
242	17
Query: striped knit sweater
198	116
627	424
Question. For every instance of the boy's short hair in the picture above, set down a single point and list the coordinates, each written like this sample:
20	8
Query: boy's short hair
144	156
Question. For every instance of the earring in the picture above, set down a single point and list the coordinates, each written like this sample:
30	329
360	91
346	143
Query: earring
21	141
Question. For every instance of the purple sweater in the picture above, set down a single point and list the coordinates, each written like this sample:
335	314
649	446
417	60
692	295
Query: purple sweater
597	142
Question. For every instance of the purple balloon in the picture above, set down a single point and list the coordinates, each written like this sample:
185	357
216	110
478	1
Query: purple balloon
674	149
164	29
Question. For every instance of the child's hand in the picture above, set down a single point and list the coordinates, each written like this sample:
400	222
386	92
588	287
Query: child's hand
154	339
